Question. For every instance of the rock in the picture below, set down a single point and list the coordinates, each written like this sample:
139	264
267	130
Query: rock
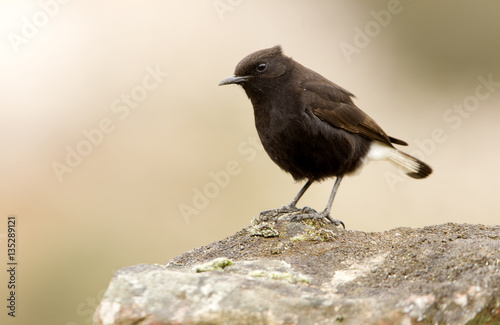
282	272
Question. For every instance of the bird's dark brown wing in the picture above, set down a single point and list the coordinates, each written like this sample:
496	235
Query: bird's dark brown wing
334	105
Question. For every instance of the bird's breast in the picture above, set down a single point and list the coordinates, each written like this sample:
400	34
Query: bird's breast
307	147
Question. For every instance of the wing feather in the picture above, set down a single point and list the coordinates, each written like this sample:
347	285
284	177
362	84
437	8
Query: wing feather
334	105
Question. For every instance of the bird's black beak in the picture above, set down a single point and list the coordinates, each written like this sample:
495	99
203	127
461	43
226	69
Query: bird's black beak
233	80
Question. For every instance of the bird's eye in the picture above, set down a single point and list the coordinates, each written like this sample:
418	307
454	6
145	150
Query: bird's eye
261	67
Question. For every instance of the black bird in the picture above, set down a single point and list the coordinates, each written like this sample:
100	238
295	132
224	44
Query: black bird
310	127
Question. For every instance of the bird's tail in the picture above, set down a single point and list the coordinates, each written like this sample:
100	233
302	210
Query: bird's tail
414	167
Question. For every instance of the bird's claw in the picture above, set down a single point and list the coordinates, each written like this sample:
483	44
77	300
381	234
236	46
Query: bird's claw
274	213
312	214
296	214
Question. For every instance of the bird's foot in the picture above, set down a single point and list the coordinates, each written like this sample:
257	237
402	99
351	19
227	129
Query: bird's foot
312	214
276	213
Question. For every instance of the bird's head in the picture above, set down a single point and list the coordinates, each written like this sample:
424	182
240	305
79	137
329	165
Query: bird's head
259	69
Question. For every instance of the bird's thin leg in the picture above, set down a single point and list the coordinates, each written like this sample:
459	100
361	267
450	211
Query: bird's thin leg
328	208
291	207
325	214
301	192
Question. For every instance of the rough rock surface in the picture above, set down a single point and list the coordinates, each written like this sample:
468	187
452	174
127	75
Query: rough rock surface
282	272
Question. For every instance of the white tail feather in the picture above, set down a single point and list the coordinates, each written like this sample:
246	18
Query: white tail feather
411	165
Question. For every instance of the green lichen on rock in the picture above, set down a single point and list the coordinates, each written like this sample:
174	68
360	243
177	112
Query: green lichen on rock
315	234
285	276
217	264
263	229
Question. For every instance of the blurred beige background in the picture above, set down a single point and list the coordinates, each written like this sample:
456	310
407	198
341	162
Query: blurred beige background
146	74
